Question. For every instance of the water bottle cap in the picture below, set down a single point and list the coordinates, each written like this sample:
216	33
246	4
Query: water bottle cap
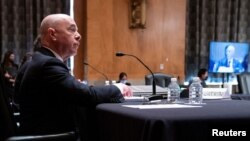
107	82
173	79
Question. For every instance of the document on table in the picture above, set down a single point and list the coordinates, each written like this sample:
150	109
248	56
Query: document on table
136	99
146	90
162	106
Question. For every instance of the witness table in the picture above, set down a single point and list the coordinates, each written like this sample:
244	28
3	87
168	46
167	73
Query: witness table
119	123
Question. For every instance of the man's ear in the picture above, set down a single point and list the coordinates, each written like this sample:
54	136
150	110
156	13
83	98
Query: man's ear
52	33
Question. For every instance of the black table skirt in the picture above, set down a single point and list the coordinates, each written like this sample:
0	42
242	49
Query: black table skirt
118	123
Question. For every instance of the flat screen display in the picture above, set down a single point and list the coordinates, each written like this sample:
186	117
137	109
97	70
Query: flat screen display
228	57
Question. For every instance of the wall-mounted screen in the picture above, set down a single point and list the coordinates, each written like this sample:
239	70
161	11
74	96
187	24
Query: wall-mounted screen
228	57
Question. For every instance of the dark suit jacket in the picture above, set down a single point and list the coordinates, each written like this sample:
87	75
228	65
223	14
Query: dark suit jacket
237	66
47	94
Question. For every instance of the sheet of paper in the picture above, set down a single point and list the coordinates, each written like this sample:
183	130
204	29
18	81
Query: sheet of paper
136	98
162	106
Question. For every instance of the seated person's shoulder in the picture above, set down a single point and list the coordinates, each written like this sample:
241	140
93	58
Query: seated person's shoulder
190	82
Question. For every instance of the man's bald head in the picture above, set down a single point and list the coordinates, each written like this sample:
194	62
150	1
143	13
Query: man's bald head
51	21
59	32
229	50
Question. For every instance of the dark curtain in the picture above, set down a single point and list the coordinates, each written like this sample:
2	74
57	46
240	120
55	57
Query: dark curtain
213	20
20	21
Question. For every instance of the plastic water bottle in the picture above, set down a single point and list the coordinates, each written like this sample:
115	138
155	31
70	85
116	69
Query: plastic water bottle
113	82
107	82
195	91
174	91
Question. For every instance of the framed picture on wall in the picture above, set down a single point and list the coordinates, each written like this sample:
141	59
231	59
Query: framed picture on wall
137	13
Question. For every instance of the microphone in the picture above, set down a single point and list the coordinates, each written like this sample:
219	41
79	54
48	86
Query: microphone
106	77
119	54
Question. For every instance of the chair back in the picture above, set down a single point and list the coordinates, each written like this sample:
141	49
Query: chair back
244	83
161	79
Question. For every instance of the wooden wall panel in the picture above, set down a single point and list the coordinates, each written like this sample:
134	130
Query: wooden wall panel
80	14
161	42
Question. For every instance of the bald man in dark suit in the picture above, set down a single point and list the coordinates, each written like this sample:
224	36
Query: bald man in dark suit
228	64
47	92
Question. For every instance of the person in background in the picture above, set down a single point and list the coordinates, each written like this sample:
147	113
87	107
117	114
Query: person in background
123	78
27	57
45	90
203	75
9	70
245	63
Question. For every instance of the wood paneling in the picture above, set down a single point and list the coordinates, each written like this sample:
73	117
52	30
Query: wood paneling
161	42
80	15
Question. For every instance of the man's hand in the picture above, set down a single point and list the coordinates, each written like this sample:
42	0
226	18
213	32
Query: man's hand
125	90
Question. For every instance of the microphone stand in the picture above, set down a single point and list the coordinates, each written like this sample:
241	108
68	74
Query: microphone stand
97	71
119	54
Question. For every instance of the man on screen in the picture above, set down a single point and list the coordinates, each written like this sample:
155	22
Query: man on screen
228	64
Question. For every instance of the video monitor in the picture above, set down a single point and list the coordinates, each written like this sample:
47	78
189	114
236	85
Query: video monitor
228	57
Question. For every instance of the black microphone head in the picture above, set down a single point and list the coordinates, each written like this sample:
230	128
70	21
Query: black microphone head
85	63
119	54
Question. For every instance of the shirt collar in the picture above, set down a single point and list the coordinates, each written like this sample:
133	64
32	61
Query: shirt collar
56	54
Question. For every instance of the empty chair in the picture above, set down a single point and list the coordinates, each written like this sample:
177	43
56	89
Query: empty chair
244	83
161	79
